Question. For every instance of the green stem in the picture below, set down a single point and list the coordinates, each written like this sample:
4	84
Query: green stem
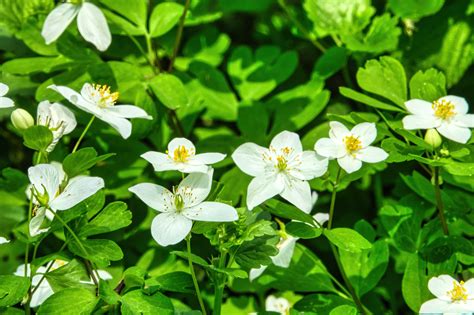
179	35
333	198
27	251
193	275
151	54
83	134
38	158
220	281
76	238
439	201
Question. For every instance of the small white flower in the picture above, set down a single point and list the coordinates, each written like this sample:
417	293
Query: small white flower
53	192
284	169
451	296
182	206
448	115
100	102
3	240
181	156
91	23
351	148
44	291
286	247
5	102
277	304
57	118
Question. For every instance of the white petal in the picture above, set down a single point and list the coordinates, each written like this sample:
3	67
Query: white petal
434	306
419	107
287	139
454	132
63	115
330	149
154	196
211	212
206	158
256	272
464	120
462	107
188	168
440	285
177	143
195	188
78	189
338	131
366	132
122	125
414	122
349	164
43	292
3	89
128	111
469	286
93	26
4	240
278	305
103	275
58	20
310	165
160	161
37	221
75	98
298	193
45	176
286	249
262	188
170	228
372	154
5	102
321	218
249	158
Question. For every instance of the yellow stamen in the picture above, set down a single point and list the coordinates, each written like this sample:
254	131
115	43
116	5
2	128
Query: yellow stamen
459	292
352	143
443	109
107	98
181	154
282	163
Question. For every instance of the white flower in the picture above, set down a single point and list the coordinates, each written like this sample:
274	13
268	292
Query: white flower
351	148
58	118
5	102
277	304
45	290
100	102
282	169
181	156
3	240
182	206
448	115
286	247
451	296
91	23
51	192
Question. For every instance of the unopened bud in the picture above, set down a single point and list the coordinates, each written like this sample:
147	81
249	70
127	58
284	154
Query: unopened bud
21	119
433	138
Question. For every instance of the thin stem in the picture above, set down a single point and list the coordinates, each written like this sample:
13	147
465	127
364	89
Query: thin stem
76	238
333	198
179	35
140	48
151	54
83	134
439	201
219	285
38	158
193	275
27	251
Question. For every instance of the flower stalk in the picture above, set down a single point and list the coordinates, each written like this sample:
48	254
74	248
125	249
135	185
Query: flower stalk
439	201
193	275
83	134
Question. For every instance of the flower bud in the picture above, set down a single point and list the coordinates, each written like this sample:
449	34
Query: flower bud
433	138
21	119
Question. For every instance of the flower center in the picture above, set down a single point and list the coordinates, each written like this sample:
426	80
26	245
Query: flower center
443	109
282	163
178	202
107	98
459	292
74	1
352	143
181	154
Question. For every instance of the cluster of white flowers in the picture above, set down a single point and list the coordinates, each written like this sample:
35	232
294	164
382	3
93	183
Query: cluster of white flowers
452	296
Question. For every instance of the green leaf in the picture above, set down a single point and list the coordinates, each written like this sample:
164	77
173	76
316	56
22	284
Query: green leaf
459	168
415	9
134	277
253	121
80	161
136	302
384	77
429	85
37	138
12	289
164	17
303	230
332	60
100	251
367	100
69	275
347	239
323	304
256	75
194	258
287	211
108	294
69	301
177	281
25	66
344	310
169	90
115	216
134	11
257	252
